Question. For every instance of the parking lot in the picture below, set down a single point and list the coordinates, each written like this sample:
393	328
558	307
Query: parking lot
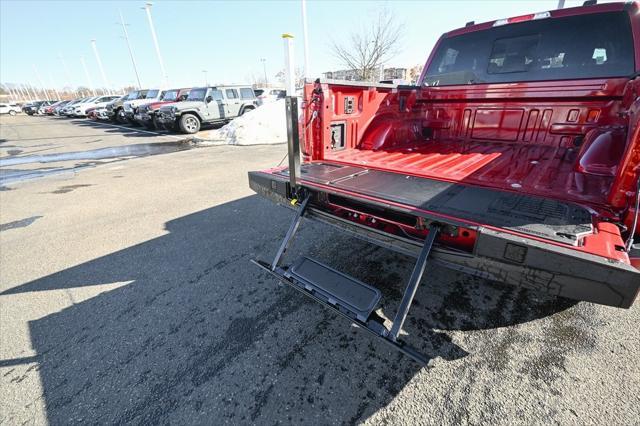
127	296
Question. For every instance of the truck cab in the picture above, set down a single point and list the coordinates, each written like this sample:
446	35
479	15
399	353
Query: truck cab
516	158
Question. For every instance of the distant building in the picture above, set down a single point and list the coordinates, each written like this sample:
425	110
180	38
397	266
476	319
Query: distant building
352	75
395	74
341	75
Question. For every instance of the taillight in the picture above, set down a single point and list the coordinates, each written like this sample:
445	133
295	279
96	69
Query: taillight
522	18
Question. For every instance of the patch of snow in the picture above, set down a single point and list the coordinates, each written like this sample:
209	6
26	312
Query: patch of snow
264	125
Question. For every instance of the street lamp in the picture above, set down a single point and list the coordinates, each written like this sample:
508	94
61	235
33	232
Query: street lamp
165	78
264	68
126	37
104	76
86	74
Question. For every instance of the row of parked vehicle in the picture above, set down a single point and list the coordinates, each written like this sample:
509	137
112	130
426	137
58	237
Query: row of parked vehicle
183	109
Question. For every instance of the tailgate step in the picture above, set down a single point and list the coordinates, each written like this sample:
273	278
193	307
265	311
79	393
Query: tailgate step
348	296
338	289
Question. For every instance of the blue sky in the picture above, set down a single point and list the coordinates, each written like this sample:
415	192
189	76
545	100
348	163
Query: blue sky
226	38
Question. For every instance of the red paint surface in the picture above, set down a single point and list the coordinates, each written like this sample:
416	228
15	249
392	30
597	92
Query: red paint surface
576	140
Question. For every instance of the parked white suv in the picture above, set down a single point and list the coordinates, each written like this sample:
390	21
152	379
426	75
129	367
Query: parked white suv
11	109
80	109
268	94
145	97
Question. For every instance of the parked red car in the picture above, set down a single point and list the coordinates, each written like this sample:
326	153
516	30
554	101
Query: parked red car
515	158
48	110
146	114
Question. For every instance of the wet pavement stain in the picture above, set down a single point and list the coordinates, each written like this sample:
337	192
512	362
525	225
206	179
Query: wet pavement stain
69	188
12	152
22	223
137	150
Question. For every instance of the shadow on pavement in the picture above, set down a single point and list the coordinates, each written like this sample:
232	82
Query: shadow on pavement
136	131
196	334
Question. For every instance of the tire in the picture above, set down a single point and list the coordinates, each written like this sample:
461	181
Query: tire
189	124
149	125
12	112
119	117
245	110
156	124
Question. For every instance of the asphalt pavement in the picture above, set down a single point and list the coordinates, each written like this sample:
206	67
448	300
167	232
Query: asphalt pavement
127	296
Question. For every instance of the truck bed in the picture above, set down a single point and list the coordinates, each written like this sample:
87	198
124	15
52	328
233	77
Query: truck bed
532	169
542	217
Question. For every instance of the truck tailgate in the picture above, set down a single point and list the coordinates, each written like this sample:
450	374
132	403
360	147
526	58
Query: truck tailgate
523	240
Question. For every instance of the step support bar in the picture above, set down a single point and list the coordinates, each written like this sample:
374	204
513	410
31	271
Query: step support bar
295	223
414	281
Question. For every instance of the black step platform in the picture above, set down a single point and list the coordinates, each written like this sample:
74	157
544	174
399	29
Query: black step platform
546	218
338	289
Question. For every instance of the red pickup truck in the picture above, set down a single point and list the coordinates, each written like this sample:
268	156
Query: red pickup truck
516	157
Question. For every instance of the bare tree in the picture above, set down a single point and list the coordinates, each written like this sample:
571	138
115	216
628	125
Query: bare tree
367	49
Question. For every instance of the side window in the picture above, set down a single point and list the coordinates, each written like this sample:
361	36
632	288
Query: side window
216	94
246	93
231	94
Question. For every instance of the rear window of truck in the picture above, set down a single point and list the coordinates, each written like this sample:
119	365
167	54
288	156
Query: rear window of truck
575	47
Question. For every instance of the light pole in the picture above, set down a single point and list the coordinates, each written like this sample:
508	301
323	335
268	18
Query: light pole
86	74
22	95
54	87
165	78
46	96
206	80
67	74
104	76
8	89
133	60
264	68
305	37
33	89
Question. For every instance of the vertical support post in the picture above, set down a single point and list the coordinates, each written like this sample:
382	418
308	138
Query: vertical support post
293	142
305	39
291	102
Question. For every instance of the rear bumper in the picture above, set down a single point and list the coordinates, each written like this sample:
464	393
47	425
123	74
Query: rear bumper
497	255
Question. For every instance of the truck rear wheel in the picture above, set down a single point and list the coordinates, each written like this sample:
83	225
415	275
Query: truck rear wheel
189	123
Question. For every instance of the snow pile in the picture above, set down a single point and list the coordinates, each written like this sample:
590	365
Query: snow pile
266	124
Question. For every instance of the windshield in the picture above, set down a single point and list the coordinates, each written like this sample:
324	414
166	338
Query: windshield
197	95
133	95
170	95
540	50
152	94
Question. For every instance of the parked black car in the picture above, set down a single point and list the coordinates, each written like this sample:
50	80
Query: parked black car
32	107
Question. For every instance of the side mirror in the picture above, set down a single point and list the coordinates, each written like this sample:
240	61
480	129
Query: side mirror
209	98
